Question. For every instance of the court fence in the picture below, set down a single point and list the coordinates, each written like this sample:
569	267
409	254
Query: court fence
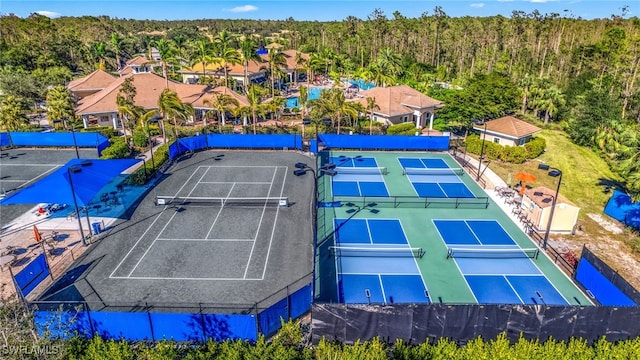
55	139
418	323
147	321
409	202
234	141
384	142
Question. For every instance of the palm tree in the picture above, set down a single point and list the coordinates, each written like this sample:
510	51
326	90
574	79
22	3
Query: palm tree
248	53
303	99
172	108
332	104
221	103
277	61
525	83
99	50
116	46
276	105
13	113
166	51
389	63
549	101
227	57
299	62
371	107
254	95
60	104
201	53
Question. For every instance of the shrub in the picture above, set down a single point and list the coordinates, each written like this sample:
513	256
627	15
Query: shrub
106	131
140	138
535	147
117	150
402	129
634	244
515	154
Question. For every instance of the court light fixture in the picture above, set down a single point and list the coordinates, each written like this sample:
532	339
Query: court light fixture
553	172
328	166
299	172
351	211
374	211
300	165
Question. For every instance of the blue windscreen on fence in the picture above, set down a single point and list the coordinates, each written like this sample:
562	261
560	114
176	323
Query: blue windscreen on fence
384	142
138	326
269	319
4	139
300	301
32	275
621	208
234	141
50	139
313	146
604	291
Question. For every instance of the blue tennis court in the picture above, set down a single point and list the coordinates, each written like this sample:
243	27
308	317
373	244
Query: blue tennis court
357	176
496	268
441	183
375	263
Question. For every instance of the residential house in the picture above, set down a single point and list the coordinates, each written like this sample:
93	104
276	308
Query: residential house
401	104
537	204
90	84
507	131
101	108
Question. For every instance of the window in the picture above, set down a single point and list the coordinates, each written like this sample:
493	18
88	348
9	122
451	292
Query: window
405	119
522	141
375	118
531	207
496	140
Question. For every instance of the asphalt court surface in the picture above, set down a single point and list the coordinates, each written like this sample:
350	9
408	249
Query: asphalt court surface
196	253
21	167
212	249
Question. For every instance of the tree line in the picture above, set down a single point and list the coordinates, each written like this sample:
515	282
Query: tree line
557	70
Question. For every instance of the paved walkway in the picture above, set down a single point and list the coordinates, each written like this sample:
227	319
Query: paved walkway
493	182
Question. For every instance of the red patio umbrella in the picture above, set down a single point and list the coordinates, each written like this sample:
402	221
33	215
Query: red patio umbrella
36	234
524	178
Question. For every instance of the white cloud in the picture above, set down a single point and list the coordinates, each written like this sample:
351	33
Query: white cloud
49	14
243	9
477	5
505	0
539	1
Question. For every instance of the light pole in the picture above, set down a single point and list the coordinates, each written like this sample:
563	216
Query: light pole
305	122
144	163
154	120
73	133
74	169
553	172
484	136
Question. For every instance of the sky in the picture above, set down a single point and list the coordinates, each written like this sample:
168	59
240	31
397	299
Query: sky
320	10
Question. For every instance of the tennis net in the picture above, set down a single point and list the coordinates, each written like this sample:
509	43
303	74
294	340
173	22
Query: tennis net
214	201
427	171
362	170
460	252
369	251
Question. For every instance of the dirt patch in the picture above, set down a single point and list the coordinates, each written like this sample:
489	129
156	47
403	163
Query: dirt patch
606	224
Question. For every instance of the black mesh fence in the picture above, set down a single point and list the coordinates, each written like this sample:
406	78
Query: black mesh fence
428	322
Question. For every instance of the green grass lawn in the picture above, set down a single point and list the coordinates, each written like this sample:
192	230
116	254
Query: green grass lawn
584	178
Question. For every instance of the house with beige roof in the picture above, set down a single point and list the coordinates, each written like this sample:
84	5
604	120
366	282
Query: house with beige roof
507	131
90	84
401	104
537	203
138	65
101	108
256	70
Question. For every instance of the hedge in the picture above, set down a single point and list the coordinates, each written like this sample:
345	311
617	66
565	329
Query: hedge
510	154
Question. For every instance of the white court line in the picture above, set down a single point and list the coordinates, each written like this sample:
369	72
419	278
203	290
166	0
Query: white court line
168	222
209	240
28	165
179	278
215	220
42	175
512	288
384	295
264	209
24	181
134	245
235	182
275	222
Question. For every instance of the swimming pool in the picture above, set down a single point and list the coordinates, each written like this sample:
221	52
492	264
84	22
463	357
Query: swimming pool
314	93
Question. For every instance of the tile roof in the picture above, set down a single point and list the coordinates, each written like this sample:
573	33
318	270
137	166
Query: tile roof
96	80
399	100
510	126
544	197
148	89
253	67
